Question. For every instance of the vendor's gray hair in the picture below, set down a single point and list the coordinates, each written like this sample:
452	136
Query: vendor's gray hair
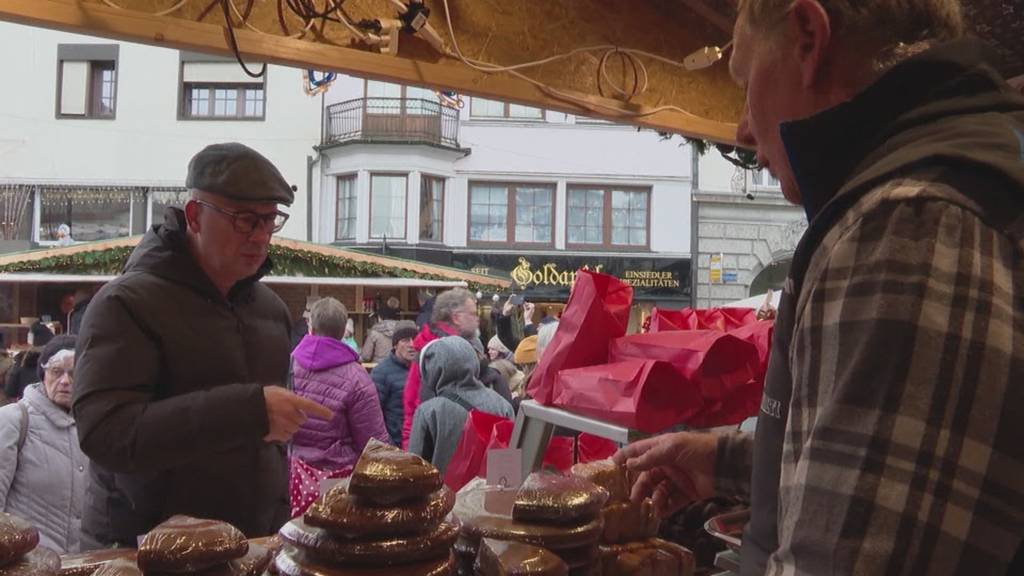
544	335
448	302
328	317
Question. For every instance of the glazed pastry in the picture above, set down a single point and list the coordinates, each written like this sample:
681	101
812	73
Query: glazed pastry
293	562
86	563
607	475
386	475
322	546
344	514
39	562
121	567
630	522
653	557
185	544
17	538
502	558
550	498
485	517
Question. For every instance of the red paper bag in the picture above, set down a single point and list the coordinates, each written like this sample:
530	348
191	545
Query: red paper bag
741	403
597	312
736	317
304	484
645	395
713	361
469	455
723	319
592	448
558	456
669	320
759	334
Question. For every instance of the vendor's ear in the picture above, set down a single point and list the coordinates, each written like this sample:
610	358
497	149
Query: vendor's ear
192	209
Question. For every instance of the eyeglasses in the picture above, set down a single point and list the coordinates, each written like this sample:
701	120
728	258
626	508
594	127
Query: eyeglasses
58	373
246	222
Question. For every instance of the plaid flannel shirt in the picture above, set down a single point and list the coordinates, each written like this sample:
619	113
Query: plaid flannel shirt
904	445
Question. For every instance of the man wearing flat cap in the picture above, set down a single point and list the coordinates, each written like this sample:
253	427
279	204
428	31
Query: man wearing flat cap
179	398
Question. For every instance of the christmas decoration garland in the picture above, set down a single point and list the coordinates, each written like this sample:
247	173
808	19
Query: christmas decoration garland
287	262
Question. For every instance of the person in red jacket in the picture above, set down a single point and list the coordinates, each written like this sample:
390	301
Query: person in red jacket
455	314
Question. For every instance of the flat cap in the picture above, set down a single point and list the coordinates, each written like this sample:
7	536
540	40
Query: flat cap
235	171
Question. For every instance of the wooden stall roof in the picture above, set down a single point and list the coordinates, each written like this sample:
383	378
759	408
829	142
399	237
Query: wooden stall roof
705	103
296	263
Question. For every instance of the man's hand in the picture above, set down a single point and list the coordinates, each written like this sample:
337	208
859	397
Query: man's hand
675	469
528	308
287	412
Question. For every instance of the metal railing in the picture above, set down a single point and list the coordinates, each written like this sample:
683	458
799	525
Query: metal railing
410	120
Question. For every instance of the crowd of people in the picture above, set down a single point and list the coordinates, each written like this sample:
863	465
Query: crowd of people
887	439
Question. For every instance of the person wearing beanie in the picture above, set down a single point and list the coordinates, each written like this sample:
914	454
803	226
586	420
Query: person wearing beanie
390	375
42	469
489	376
496	350
450	388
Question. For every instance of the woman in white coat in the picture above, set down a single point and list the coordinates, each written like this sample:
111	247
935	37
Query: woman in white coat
42	469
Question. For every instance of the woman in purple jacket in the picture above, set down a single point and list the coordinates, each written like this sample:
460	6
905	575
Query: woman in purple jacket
327	371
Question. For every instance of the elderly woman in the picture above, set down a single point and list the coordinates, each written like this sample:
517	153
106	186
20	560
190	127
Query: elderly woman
327	371
42	469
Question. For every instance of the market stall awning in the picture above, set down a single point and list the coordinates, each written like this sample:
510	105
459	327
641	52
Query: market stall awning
656	62
295	262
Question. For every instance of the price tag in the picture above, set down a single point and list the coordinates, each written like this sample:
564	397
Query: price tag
505	468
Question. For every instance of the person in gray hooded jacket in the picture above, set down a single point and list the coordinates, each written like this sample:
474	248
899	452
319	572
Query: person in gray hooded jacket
450	389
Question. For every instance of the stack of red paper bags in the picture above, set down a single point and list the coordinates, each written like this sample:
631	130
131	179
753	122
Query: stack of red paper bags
702	368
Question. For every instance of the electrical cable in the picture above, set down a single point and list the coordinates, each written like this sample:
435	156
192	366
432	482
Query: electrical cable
233	42
160	13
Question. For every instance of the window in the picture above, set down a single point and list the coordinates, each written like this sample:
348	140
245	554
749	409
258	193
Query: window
161	200
431	208
607	217
520	213
387	206
87	80
220	90
89	213
483	108
765	178
385	98
346	215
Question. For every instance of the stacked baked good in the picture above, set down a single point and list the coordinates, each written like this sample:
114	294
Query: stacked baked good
629	546
503	558
20	553
559	513
180	545
389	518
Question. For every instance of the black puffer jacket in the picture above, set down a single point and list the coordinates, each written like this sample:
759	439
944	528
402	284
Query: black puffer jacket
169	396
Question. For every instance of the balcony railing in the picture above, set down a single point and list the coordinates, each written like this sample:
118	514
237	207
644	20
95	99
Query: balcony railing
404	120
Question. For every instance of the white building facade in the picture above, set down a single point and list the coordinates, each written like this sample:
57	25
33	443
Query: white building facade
503	189
95	141
744	232
96	135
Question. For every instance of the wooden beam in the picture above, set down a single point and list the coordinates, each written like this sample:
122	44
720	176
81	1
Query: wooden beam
170	32
709	14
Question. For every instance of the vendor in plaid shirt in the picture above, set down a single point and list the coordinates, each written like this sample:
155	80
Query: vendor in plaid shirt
891	432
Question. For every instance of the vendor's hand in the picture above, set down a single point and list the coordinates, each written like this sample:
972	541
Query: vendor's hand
287	412
675	469
507	309
528	308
